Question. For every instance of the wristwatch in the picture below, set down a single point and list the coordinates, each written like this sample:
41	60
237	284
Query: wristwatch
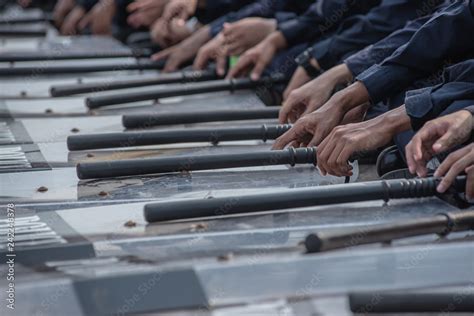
304	60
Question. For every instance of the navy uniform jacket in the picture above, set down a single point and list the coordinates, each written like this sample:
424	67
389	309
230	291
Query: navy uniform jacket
456	90
216	8
281	10
445	37
87	4
376	53
359	31
321	18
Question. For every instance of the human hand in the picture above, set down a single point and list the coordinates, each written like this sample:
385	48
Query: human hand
299	78
436	137
457	163
255	60
179	9
213	50
344	141
314	94
246	33
168	34
311	129
145	12
179	54
61	10
71	22
100	18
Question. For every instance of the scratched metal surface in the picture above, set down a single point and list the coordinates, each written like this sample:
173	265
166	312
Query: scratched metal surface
74	106
14	11
52	63
67	44
49	144
56	155
7	30
60	128
261	234
242	264
64	186
37	87
266	262
343	271
20	44
27	86
243	281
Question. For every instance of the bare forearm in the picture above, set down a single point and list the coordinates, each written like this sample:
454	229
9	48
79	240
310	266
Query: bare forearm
396	121
278	40
351	97
337	75
198	39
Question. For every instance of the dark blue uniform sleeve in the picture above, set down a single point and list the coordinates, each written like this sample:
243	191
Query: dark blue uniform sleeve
446	36
470	109
87	4
217	8
261	8
321	18
226	5
375	54
359	31
428	103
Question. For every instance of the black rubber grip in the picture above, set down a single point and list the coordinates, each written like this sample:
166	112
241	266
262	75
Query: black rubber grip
149	138
440	224
177	77
19	32
39	56
323	195
151	120
26	19
454	300
123	168
182	90
326	241
54	70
